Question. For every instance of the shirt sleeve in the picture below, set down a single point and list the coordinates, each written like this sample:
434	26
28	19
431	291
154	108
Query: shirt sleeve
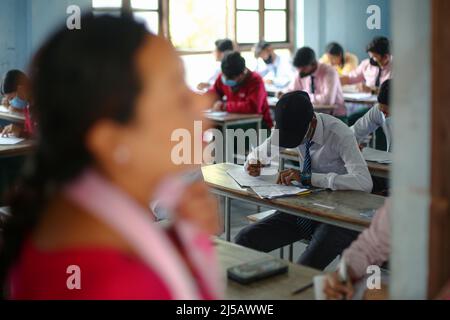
253	102
331	89
264	153
357	76
295	84
217	88
357	178
372	246
368	124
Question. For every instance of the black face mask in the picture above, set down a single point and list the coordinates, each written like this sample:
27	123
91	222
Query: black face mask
374	63
269	60
304	74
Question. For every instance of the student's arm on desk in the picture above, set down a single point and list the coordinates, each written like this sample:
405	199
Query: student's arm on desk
357	178
260	154
356	76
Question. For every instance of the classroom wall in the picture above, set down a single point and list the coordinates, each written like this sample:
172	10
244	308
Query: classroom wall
322	21
24	25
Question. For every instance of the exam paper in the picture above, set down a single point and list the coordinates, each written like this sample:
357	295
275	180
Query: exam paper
374	155
360	96
245	180
277	191
10	140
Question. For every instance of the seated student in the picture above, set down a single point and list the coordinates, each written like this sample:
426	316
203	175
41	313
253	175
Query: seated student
80	215
16	89
377	117
319	80
343	62
372	72
329	158
244	90
372	247
276	70
222	46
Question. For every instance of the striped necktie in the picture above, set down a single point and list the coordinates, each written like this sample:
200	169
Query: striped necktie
306	173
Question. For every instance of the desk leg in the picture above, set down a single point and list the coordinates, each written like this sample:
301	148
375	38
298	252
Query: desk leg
282	164
227	218
225	150
258	130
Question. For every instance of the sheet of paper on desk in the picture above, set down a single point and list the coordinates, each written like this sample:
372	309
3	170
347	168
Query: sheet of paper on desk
3	108
245	180
360	96
215	113
378	156
277	191
10	140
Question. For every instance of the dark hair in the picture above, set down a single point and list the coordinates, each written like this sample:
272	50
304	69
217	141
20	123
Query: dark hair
11	80
260	46
335	49
224	45
384	96
379	45
77	78
304	57
233	64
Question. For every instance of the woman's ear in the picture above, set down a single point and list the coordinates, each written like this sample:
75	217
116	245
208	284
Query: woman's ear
105	141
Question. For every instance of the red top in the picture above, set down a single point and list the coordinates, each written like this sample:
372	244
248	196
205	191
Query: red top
249	97
104	274
29	128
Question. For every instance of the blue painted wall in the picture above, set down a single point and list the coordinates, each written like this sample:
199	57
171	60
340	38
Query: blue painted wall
343	21
24	24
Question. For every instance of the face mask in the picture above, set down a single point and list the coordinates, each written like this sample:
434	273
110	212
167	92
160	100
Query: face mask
373	62
229	83
18	103
269	60
304	74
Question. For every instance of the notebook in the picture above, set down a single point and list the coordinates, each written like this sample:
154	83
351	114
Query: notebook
10	140
378	156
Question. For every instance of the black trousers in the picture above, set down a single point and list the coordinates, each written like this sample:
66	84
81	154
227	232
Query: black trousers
282	229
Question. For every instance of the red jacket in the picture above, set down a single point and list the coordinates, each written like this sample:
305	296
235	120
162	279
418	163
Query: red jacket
249	97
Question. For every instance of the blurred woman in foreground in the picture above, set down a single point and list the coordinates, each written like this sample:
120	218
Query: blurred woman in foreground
107	99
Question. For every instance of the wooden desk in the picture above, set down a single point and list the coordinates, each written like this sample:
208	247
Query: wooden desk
11	116
375	169
339	208
20	149
275	288
225	120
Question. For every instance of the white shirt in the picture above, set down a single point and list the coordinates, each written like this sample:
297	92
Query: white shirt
370	122
280	71
337	162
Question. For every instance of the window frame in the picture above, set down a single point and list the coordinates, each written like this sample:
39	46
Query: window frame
231	18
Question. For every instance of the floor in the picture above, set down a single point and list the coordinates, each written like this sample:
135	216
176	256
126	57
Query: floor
239	213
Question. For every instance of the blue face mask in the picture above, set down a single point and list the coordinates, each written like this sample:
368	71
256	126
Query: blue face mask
229	83
18	103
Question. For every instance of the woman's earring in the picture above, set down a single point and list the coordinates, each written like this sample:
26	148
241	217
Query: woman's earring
122	155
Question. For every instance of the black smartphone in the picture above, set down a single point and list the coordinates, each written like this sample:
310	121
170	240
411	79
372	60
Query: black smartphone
257	270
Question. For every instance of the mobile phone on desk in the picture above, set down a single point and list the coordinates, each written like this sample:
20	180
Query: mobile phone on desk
257	270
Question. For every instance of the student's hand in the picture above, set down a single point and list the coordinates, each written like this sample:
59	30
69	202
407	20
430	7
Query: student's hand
5	102
254	169
199	207
218	106
363	88
345	80
268	81
287	176
203	86
11	130
334	289
279	94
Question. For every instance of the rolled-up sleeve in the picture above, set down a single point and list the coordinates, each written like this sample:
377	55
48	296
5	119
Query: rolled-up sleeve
357	177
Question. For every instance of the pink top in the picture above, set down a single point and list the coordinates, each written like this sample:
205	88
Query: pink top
158	271
367	73
372	246
328	89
